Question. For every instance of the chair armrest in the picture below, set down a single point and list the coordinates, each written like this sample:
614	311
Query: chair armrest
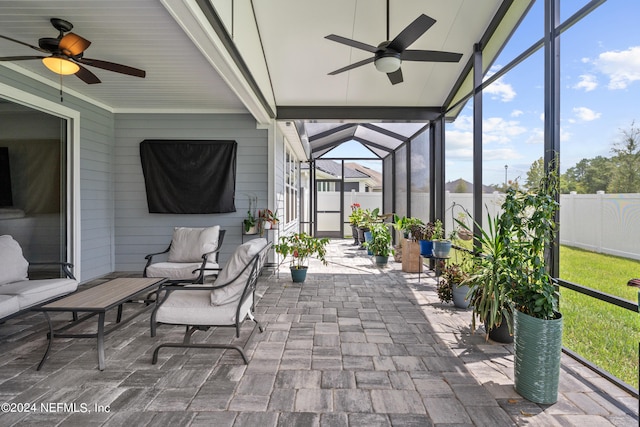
149	259
66	267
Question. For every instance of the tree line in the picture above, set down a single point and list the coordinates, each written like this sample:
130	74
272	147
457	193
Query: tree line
619	173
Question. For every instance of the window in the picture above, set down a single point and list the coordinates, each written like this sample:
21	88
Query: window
291	169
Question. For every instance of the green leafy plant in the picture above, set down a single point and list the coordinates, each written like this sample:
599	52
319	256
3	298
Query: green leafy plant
528	220
489	290
421	231
356	217
454	274
380	243
438	230
249	221
301	246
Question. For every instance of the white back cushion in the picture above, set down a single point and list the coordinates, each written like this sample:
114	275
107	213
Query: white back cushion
242	255
188	244
13	266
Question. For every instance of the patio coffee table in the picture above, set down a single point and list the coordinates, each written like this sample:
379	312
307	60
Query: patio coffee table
97	300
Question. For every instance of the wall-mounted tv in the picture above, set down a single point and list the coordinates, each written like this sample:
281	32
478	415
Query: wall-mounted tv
6	198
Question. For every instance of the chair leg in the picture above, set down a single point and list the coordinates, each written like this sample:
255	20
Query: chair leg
183	345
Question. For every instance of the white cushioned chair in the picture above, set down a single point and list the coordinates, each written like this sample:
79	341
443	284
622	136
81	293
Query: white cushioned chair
192	256
227	303
17	292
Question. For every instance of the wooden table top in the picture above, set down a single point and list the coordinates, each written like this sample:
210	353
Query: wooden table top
103	296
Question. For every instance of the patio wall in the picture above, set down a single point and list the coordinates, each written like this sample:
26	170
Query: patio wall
137	232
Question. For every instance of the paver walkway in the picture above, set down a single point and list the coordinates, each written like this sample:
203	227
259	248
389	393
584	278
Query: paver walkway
354	345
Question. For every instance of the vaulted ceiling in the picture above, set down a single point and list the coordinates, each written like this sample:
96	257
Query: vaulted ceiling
270	58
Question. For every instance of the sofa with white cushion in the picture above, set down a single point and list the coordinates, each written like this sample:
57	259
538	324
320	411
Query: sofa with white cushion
17	292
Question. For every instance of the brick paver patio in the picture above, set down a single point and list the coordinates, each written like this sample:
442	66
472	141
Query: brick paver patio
354	345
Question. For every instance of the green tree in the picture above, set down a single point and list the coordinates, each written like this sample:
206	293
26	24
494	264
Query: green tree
535	173
626	174
588	175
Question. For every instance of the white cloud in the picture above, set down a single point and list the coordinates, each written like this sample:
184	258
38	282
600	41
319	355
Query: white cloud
502	154
501	131
588	82
516	113
622	67
501	90
586	114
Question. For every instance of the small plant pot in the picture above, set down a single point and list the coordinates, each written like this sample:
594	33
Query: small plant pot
460	296
381	260
361	236
298	275
267	225
441	249
426	248
367	238
251	230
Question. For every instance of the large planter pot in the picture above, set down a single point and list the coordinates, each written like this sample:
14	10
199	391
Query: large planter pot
426	248
354	233
537	348
298	275
460	295
441	248
381	261
501	333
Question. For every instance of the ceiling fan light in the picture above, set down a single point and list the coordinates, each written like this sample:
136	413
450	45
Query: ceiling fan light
60	65
388	64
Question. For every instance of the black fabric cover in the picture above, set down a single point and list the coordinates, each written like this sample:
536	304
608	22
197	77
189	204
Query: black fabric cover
189	177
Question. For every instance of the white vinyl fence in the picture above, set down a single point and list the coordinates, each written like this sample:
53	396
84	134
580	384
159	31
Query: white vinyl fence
604	223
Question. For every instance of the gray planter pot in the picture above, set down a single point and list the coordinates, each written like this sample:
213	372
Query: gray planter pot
381	260
441	249
460	296
538	348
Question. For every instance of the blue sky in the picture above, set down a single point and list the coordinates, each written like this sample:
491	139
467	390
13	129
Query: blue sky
600	95
600	89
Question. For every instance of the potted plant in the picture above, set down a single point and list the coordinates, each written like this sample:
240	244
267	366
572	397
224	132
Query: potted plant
355	218
301	246
452	284
489	290
369	217
424	234
268	218
529	222
441	246
380	243
250	222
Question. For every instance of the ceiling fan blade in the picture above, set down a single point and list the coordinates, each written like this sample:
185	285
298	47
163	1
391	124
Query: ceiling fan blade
352	66
39	49
20	58
412	33
430	56
72	44
111	66
87	76
352	43
395	77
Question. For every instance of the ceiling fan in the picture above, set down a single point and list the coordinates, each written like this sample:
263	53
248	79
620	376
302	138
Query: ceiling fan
66	55
388	55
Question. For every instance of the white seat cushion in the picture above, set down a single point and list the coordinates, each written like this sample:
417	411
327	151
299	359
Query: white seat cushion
238	261
32	292
189	244
8	305
187	307
179	270
13	266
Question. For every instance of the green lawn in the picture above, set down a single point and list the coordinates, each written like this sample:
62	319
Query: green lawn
606	335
